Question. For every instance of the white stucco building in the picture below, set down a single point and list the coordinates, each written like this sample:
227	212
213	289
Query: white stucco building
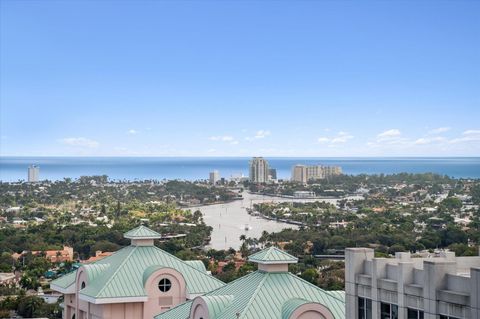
440	286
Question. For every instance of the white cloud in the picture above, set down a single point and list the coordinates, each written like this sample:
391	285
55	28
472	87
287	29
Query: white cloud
224	138
258	135
439	130
261	134
341	137
392	133
132	131
467	136
471	132
426	140
80	142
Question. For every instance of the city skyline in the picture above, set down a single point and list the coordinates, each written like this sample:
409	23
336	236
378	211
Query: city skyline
316	79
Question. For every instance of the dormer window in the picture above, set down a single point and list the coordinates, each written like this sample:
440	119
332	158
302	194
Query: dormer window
83	285
164	285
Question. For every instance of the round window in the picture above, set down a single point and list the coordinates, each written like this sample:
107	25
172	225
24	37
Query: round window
164	285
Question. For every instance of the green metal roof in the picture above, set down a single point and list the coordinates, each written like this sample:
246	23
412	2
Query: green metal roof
291	305
272	255
197	264
142	232
264	295
216	304
125	275
66	280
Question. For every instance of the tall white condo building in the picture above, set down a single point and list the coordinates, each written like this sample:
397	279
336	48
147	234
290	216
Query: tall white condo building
33	173
259	170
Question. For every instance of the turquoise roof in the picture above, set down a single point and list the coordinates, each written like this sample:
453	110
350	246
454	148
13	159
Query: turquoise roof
291	305
197	264
272	255
66	280
123	273
142	232
264	295
216	304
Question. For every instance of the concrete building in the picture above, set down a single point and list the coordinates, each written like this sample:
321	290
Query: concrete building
437	286
271	292
329	171
299	174
315	172
304	173
33	173
272	174
214	177
259	170
136	282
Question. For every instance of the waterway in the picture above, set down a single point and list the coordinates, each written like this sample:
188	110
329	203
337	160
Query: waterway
231	220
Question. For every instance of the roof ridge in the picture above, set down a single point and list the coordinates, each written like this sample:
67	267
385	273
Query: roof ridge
116	270
250	301
184	261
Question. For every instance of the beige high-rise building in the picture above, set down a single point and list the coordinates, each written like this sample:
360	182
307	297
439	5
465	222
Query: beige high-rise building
315	172
304	173
259	170
299	174
214	177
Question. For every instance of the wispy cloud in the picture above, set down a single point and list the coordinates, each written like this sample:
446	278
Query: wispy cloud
389	134
224	138
258	135
132	131
439	130
80	142
389	137
471	132
428	140
341	137
467	136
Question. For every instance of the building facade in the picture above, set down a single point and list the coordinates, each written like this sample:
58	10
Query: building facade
136	282
272	174
304	173
439	286
214	177
33	173
299	174
259	170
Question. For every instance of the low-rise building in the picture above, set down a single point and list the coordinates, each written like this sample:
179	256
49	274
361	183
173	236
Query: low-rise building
439	286
56	256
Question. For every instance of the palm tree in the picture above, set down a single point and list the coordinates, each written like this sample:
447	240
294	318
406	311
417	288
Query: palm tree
244	250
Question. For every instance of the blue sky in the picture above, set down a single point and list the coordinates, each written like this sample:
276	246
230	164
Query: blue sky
240	78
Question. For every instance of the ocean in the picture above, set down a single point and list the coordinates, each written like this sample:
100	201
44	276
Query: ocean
195	168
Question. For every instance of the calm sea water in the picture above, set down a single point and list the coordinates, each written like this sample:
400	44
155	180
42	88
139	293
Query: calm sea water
192	168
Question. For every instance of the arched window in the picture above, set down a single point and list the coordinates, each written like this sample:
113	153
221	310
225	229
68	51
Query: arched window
83	284
164	285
